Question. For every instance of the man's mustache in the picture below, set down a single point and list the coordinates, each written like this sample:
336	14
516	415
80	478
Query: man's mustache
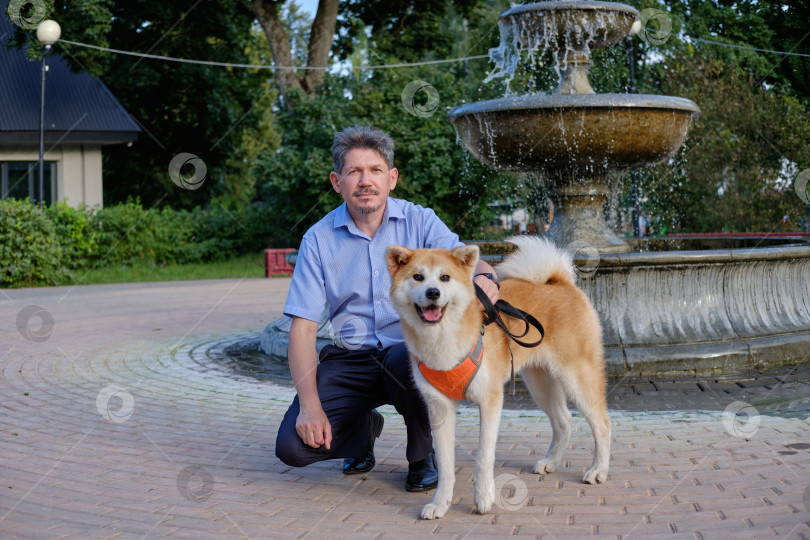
365	191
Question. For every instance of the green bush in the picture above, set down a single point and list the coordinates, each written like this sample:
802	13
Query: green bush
126	233
223	232
38	246
30	252
79	241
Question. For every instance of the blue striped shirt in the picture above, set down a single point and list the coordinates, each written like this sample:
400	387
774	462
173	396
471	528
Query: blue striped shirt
340	265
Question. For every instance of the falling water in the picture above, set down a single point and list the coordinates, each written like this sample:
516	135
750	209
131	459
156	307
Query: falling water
561	34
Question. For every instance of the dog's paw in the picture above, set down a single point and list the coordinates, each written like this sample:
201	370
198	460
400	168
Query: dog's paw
483	500
545	466
595	476
433	511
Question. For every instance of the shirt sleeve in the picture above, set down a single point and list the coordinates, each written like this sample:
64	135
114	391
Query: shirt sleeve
307	295
437	234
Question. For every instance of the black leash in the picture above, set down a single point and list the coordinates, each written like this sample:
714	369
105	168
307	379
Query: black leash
492	314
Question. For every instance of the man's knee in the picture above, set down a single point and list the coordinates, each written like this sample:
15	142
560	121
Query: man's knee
291	451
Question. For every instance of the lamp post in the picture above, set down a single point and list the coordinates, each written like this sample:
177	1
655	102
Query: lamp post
48	33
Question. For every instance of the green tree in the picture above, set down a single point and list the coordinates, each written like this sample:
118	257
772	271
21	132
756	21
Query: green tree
220	114
735	171
776	26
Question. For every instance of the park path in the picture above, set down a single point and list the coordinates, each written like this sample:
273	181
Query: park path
117	421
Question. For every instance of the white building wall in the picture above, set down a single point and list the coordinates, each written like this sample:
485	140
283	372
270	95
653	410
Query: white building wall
93	183
78	171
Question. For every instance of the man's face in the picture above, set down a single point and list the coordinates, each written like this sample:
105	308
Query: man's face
365	181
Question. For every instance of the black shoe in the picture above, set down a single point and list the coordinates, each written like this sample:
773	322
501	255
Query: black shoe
422	475
367	462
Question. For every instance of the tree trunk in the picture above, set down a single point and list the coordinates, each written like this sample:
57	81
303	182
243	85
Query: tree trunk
320	43
266	12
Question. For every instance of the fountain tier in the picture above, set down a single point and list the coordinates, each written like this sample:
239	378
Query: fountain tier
574	141
569	29
565	136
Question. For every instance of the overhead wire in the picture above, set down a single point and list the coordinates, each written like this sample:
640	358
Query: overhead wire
748	48
263	66
366	67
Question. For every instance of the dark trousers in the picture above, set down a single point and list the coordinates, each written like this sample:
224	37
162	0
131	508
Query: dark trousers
350	384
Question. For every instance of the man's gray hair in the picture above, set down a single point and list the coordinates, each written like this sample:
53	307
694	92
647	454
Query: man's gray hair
361	137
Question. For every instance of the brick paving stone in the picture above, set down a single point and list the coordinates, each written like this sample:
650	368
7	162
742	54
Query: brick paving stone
69	472
682	386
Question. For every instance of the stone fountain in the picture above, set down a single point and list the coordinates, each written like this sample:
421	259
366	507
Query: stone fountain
573	137
681	307
714	304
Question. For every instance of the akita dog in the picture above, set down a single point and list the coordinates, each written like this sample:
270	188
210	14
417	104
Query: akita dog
432	289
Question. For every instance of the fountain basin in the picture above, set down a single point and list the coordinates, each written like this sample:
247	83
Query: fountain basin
574	141
719	305
572	136
560	25
698	312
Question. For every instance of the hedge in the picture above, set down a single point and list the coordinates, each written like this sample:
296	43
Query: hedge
41	245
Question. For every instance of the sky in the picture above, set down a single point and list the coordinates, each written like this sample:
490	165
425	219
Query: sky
309	5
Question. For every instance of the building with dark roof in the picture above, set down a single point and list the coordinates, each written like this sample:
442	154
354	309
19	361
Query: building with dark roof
81	116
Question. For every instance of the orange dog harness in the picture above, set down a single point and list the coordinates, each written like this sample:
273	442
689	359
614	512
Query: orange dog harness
453	383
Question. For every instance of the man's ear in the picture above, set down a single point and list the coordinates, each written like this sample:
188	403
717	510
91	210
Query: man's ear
392	178
397	257
467	256
334	178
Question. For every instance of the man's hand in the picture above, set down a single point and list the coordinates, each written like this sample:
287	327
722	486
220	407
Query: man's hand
314	428
486	284
489	287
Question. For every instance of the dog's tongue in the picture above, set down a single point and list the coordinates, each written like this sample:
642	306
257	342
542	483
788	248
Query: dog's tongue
432	313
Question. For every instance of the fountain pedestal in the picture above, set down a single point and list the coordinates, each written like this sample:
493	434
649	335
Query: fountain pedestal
579	216
574	76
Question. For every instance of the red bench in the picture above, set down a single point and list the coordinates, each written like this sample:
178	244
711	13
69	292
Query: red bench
275	264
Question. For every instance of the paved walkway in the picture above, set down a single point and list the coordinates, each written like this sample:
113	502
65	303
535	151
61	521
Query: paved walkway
120	419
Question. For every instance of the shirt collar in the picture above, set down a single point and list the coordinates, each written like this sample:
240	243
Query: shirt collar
393	209
342	217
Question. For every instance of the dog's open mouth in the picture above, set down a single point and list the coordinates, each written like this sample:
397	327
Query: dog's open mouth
431	314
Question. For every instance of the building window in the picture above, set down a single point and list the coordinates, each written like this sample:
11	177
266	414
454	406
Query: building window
20	180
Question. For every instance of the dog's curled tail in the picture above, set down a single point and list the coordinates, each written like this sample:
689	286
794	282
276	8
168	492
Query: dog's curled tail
537	260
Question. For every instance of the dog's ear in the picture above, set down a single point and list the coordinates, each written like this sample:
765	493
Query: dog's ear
467	256
397	257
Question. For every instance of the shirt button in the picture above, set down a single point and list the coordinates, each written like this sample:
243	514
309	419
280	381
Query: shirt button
376	272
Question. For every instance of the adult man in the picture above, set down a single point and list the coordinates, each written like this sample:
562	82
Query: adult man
341	262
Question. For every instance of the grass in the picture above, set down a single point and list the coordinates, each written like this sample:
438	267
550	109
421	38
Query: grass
240	267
